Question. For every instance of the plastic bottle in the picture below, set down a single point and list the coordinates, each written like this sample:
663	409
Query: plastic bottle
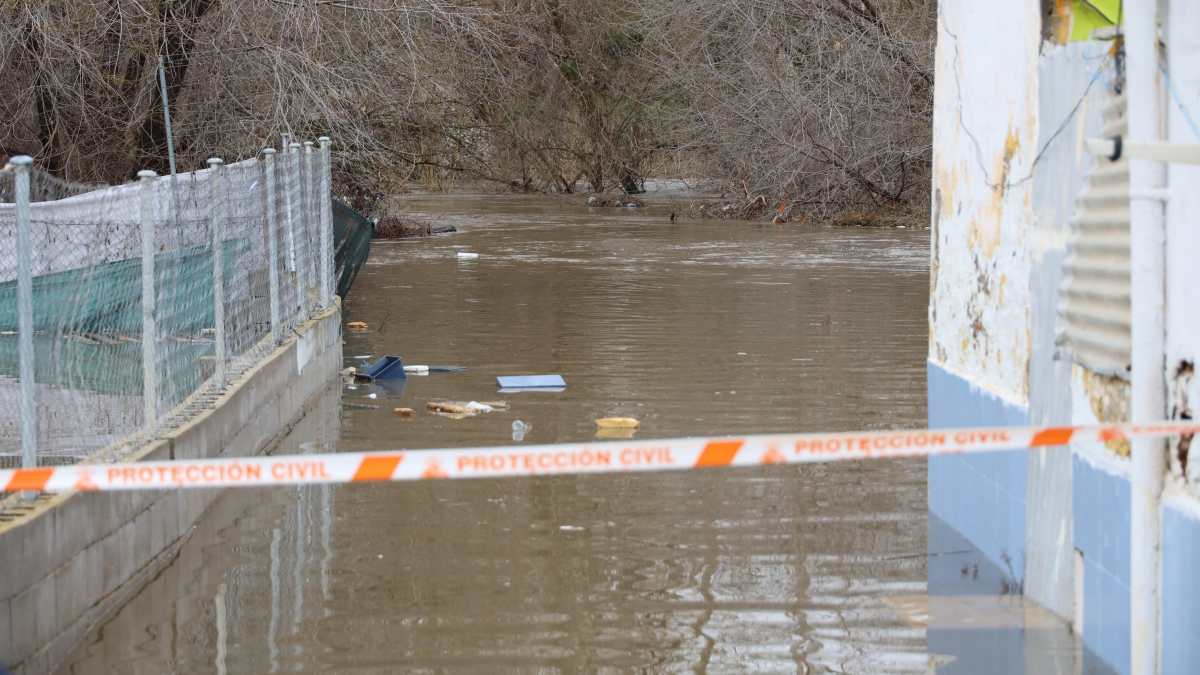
518	430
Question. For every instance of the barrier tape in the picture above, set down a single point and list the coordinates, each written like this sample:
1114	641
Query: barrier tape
571	458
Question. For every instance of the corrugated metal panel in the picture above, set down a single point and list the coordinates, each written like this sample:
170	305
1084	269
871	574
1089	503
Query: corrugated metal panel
1094	304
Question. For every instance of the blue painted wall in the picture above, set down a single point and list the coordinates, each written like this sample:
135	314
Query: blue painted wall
1181	592
1100	519
1100	504
981	495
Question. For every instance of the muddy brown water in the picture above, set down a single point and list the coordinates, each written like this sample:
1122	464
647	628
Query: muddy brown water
694	329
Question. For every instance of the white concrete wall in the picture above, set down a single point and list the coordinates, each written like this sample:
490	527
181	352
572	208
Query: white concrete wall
1183	217
985	137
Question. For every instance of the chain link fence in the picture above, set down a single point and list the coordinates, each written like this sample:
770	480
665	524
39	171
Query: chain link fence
125	309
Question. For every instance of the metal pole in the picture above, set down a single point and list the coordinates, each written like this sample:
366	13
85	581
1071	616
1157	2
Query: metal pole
272	242
149	328
1148	294
29	421
326	206
217	216
288	210
311	223
166	105
296	228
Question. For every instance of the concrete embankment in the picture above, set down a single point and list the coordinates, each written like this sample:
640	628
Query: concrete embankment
72	559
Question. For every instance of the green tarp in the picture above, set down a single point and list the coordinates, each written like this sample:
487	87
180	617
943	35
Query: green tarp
1089	15
106	299
352	234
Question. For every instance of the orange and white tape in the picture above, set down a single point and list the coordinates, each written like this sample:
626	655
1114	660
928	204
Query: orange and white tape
572	458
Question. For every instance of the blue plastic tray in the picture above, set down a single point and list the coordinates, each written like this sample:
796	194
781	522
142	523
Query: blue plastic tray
387	368
531	382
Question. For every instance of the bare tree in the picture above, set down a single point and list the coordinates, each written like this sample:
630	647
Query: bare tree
78	81
567	98
823	104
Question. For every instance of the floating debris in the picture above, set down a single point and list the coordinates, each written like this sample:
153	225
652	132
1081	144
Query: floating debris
458	409
386	368
356	326
404	412
517	382
448	407
617	423
519	429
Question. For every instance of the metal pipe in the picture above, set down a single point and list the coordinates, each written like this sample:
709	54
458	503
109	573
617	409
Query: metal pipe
149	327
1148	290
29	421
1174	153
216	211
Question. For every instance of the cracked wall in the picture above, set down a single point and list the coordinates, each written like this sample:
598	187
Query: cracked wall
985	139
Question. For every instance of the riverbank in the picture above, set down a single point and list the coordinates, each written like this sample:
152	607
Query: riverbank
400	227
679	199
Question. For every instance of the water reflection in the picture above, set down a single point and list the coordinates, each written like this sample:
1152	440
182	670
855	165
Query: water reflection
235	598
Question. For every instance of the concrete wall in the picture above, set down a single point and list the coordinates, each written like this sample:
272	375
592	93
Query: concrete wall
1072	83
985	133
72	559
1002	204
1183	234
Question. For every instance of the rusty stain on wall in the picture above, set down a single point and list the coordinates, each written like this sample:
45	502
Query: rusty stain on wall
985	233
1108	398
1181	409
1059	22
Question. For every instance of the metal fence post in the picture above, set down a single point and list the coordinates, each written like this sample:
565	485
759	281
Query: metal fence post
29	420
216	219
272	242
149	327
326	207
310	224
296	226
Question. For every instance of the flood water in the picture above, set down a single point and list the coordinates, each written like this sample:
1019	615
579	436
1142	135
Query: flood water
694	329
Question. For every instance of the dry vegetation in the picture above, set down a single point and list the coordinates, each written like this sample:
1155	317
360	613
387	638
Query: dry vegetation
799	108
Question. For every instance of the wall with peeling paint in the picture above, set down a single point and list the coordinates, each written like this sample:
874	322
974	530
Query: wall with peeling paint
985	134
984	142
1183	230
